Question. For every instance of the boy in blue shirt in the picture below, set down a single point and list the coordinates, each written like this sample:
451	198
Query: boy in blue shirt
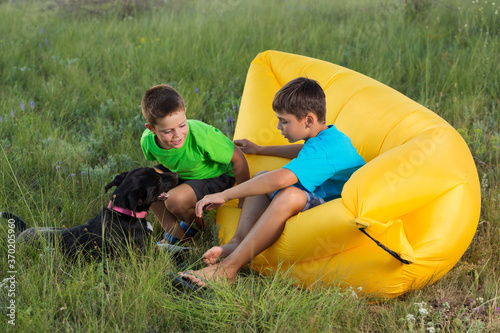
205	159
317	173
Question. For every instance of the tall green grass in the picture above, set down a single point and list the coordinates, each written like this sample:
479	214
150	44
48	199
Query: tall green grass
71	81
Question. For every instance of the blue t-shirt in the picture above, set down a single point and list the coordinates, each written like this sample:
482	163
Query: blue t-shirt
325	163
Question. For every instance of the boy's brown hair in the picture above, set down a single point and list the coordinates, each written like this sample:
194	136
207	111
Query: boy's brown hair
300	96
160	101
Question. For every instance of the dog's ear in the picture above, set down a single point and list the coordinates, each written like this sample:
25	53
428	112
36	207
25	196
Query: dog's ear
117	181
132	199
171	178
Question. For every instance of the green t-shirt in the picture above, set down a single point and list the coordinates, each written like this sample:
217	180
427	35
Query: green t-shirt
206	153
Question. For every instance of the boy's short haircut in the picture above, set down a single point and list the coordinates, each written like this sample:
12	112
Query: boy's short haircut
160	101
300	96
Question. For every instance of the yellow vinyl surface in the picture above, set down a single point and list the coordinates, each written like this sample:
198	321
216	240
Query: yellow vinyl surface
418	193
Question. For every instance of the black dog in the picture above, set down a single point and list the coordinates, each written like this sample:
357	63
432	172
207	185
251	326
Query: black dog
122	221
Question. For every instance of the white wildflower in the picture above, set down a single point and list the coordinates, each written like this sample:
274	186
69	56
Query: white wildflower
484	181
423	311
421	305
410	317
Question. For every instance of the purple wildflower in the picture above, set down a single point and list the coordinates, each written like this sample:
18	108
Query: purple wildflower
22	106
12	112
72	175
46	41
43	30
196	90
57	167
32	104
230	120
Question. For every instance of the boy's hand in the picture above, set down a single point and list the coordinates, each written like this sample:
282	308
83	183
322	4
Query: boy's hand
247	146
209	202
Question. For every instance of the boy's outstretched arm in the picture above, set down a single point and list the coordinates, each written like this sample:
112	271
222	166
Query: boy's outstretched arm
286	151
266	183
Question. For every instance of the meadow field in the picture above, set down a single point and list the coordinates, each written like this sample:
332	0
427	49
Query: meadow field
72	74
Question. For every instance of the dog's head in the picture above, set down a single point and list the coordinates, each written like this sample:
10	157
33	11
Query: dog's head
139	188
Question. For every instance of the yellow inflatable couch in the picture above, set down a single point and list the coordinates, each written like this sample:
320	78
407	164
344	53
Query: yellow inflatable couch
404	219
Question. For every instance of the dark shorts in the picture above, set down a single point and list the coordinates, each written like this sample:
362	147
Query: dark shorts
202	187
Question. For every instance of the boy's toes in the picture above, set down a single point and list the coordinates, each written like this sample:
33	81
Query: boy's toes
194	279
210	261
213	255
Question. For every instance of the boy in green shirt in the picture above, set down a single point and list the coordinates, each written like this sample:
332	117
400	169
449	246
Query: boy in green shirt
205	159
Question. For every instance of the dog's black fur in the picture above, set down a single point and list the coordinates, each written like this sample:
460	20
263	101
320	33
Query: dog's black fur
136	190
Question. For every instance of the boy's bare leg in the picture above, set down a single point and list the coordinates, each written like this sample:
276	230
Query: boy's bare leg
179	205
167	220
289	202
252	209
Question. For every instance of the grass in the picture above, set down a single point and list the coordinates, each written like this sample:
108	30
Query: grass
72	76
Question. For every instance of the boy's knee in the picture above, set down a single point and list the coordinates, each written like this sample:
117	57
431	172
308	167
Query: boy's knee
179	203
175	204
292	196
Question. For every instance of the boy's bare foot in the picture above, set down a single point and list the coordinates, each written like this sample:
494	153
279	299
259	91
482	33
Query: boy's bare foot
216	253
208	274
